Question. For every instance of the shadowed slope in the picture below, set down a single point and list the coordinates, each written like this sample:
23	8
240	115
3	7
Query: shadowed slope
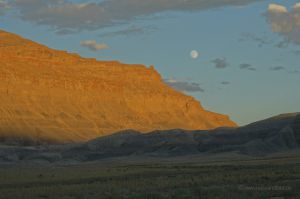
277	135
53	95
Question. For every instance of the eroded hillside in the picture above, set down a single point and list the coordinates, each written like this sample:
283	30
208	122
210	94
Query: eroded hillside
53	95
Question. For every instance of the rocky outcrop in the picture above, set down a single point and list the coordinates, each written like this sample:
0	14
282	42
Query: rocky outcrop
51	95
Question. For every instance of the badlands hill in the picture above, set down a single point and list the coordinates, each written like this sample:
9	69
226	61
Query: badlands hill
280	134
52	95
277	134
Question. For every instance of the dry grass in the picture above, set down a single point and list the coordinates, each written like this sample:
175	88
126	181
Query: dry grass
275	177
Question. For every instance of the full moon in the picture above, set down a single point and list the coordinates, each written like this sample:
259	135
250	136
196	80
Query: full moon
194	54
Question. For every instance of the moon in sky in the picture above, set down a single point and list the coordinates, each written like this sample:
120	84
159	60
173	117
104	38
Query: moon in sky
194	54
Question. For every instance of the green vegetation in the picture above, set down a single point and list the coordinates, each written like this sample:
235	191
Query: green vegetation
255	178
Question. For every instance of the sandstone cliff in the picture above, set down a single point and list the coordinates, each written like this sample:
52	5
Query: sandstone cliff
53	95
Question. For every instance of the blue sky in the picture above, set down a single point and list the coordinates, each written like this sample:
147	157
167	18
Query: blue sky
249	50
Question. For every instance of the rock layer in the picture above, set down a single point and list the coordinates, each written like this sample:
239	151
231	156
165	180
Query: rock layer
53	95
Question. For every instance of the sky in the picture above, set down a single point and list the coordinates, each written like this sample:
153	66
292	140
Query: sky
238	57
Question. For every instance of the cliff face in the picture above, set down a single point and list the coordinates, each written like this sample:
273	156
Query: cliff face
53	95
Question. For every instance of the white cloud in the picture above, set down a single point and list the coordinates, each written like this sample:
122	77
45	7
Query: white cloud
297	6
93	45
285	22
276	8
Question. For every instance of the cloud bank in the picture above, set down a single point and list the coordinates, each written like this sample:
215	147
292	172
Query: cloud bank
68	17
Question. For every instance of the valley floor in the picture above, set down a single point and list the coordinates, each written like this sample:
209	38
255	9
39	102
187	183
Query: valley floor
261	177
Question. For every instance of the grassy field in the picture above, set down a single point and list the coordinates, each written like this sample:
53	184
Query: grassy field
253	178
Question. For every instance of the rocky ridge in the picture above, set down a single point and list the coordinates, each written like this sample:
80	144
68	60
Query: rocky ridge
56	96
